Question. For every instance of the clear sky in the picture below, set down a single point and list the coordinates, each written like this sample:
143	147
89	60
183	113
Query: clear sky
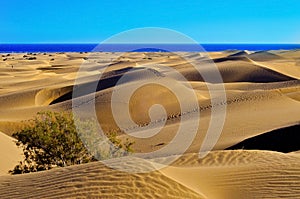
206	21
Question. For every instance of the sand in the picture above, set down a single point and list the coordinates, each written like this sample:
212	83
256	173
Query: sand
10	154
262	95
221	174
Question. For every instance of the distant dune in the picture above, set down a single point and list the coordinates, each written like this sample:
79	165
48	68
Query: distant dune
256	155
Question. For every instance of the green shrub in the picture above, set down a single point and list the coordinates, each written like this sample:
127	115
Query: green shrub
52	139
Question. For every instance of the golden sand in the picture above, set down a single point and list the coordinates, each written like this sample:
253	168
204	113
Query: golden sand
262	91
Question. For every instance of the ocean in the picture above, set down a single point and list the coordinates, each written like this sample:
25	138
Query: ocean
21	48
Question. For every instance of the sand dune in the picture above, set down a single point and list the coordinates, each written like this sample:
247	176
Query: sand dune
262	98
263	56
92	180
251	73
241	174
240	53
221	174
282	140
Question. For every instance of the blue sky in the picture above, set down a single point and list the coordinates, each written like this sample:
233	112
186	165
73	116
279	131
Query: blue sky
218	21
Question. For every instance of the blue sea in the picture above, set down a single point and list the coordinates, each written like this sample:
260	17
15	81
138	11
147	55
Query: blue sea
21	48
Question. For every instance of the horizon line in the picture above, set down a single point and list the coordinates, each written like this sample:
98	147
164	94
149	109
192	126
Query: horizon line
96	43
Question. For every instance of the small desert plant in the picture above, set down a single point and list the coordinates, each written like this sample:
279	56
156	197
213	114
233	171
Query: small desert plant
52	139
